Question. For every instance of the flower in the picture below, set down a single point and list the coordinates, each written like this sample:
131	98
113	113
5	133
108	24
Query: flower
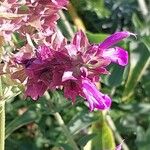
118	147
38	18
117	54
89	62
76	66
95	98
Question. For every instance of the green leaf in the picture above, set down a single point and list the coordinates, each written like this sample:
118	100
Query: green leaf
65	146
99	7
137	22
104	139
17	40
143	141
115	78
145	81
141	26
84	140
96	6
81	120
96	37
146	41
26	118
139	62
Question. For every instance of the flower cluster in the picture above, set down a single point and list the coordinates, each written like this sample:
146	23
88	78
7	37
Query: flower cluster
76	67
34	17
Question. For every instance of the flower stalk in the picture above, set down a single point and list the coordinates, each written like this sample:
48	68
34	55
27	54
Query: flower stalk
75	18
2	119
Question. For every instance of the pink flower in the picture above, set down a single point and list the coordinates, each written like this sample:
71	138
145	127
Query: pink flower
90	61
29	17
75	66
118	147
117	55
95	98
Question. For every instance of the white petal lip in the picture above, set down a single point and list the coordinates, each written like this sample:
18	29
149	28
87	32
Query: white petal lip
68	75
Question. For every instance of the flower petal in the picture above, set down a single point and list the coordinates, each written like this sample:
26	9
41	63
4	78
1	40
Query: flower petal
114	38
80	40
117	55
35	90
71	90
44	52
95	98
68	76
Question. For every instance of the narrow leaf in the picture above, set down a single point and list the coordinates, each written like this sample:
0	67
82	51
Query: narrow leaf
139	61
26	118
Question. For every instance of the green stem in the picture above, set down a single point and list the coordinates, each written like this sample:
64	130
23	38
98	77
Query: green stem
61	123
66	23
116	133
2	126
2	118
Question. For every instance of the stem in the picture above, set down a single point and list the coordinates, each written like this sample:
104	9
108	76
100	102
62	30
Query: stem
61	123
2	119
66	23
116	133
75	18
2	126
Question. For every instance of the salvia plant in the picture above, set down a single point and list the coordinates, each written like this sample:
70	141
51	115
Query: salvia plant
39	61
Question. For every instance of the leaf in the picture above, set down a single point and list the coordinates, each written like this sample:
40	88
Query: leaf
141	26
143	139
26	118
104	139
137	22
84	140
96	6
146	41
99	7
115	78
65	146
96	37
145	81
139	61
17	40
81	120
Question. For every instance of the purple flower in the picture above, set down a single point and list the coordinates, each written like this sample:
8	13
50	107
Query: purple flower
75	66
118	147
117	55
95	98
90	61
35	90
